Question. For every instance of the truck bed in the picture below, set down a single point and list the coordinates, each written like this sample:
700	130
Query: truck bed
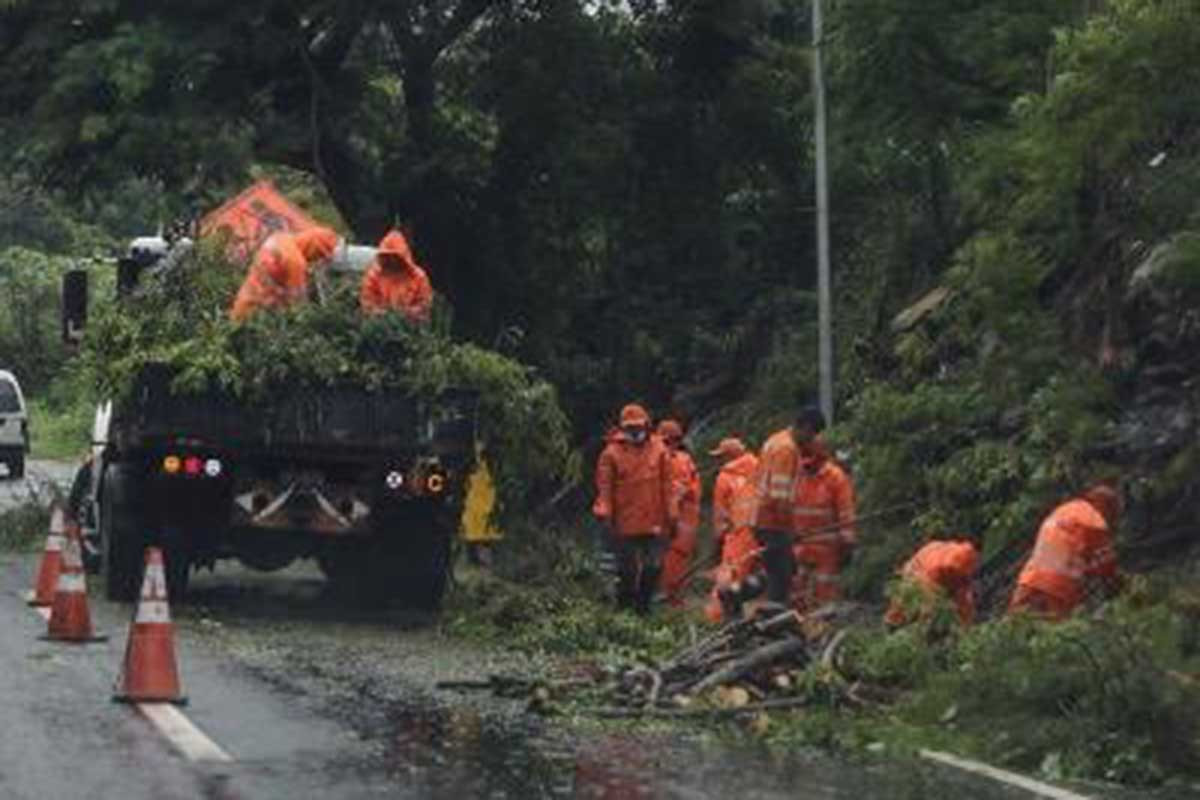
344	420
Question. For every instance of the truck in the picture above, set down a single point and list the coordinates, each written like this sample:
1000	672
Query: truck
368	482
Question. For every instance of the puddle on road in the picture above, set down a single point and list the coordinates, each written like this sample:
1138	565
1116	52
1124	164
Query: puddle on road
460	752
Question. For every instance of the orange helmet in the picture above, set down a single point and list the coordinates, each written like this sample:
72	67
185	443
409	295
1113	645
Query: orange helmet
633	415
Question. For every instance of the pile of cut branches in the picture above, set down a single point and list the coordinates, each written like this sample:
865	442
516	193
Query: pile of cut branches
748	666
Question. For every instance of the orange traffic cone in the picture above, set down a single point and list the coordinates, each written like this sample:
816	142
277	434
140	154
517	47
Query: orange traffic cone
70	620
149	673
46	583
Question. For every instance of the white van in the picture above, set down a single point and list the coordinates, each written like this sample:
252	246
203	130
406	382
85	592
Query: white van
14	425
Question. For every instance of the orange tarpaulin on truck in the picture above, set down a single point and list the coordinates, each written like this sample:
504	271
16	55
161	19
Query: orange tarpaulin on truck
252	216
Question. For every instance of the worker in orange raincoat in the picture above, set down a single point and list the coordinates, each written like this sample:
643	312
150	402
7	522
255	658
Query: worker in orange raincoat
733	513
940	567
803	518
688	490
394	281
278	277
635	497
1074	546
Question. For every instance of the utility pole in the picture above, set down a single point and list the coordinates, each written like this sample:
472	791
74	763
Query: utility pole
824	293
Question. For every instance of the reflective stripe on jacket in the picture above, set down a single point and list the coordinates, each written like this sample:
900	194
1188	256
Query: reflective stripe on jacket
1073	544
278	277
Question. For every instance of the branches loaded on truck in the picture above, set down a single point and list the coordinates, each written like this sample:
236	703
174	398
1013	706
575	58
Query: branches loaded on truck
306	432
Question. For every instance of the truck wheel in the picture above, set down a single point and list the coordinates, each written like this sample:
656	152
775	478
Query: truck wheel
16	468
120	538
413	564
177	564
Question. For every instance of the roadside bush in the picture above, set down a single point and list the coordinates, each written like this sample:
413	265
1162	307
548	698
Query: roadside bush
24	527
1096	697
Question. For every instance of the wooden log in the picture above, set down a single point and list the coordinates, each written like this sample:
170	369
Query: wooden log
756	659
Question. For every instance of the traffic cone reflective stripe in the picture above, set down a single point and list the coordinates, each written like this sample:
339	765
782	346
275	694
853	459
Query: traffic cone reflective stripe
70	620
149	672
46	583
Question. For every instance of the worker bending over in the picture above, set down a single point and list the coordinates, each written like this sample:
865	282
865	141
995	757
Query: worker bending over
278	276
941	568
1074	547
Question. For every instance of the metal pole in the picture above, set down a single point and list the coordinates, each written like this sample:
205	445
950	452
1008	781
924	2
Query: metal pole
824	294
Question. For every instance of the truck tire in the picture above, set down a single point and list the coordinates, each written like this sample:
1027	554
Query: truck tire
16	468
407	564
413	567
177	564
121	539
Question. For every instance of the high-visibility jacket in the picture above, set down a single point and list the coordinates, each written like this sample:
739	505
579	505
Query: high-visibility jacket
1073	544
816	507
733	495
278	277
405	288
686	481
635	488
945	566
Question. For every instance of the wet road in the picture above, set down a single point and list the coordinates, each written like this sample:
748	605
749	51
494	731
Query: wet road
38	485
312	699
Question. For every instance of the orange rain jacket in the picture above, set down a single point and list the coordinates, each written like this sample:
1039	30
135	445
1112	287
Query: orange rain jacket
733	495
1073	544
942	566
278	277
733	512
789	499
403	288
635	488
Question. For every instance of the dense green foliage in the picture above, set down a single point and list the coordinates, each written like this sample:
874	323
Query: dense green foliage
620	195
181	321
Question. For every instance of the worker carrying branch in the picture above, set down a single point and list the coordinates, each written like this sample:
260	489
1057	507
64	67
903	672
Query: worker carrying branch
940	568
1074	547
395	282
278	276
635	498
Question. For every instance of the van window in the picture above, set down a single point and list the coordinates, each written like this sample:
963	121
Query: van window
9	403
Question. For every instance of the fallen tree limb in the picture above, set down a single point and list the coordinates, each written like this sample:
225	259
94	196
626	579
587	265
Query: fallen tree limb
614	712
763	656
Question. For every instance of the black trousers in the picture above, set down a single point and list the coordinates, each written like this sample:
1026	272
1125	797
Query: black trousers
639	565
778	563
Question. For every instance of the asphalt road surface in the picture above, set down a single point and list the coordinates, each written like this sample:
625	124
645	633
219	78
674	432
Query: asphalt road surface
42	479
292	695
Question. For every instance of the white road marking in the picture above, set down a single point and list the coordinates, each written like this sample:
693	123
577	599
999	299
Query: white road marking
1004	776
181	732
173	725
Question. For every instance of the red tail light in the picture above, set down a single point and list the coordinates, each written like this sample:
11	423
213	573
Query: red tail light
193	465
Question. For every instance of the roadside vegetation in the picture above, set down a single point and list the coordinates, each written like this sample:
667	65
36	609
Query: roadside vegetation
620	199
23	528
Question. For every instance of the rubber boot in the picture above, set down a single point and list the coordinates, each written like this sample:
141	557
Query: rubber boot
647	588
